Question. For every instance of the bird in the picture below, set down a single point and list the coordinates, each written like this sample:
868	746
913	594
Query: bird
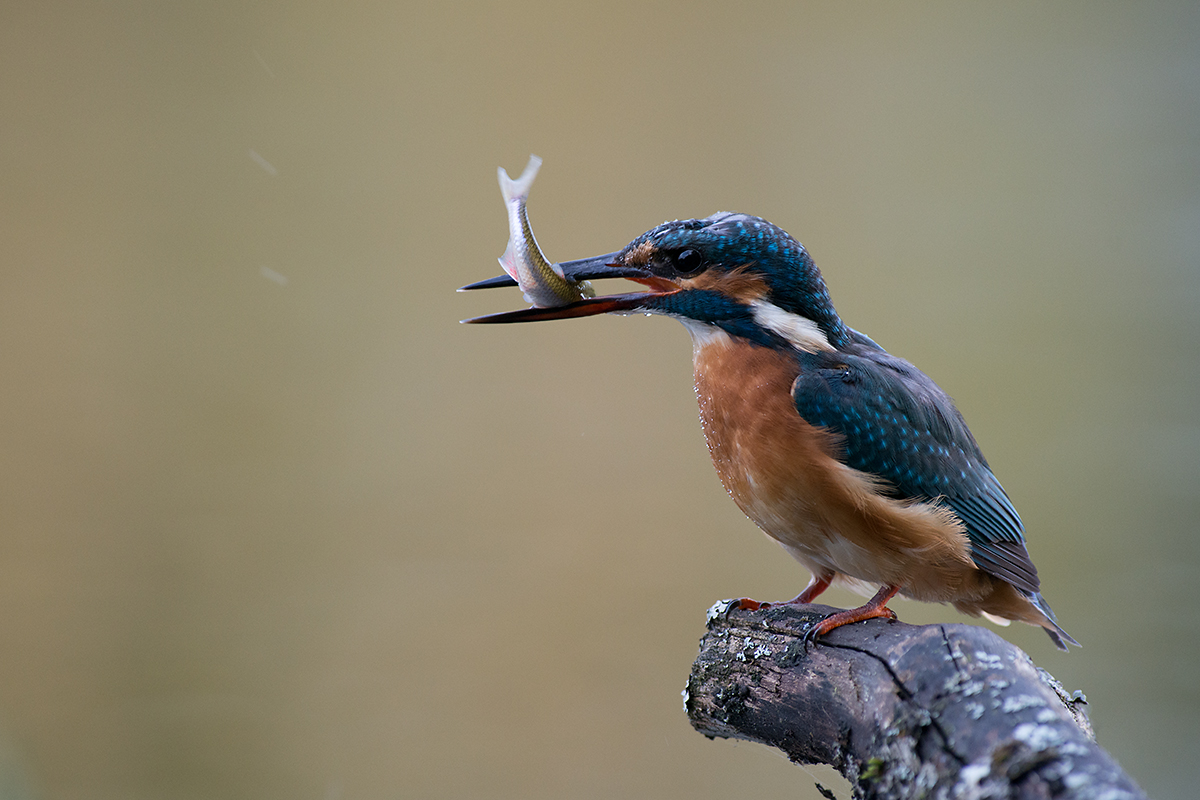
851	458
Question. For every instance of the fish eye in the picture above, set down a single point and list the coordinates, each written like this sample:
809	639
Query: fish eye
688	261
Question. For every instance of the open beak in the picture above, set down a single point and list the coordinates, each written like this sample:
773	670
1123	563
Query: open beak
605	266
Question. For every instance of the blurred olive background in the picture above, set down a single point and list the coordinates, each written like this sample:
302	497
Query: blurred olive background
274	525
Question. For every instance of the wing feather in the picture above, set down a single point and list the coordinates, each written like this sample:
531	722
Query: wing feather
895	423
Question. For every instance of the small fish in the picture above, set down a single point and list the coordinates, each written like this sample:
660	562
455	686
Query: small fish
543	283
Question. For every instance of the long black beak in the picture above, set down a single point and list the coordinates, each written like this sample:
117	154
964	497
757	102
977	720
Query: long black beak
606	266
585	269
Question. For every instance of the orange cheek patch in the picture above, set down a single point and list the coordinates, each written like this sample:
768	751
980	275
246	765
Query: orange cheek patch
741	284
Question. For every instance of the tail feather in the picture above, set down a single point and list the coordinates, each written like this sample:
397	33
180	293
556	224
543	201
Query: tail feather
1057	635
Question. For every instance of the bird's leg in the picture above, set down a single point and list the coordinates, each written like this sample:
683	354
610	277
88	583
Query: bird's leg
875	607
818	584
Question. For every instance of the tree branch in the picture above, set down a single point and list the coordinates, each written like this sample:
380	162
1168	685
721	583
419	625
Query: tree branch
902	711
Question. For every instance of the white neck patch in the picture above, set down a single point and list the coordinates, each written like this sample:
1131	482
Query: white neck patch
801	332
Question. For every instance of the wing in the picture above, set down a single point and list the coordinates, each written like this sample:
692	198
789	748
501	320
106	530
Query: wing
898	424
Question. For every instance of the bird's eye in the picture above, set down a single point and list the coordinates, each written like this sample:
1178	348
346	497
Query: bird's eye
688	262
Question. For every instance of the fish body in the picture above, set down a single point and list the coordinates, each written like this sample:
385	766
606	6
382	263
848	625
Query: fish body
542	282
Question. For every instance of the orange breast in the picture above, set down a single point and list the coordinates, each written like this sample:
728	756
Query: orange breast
784	474
767	456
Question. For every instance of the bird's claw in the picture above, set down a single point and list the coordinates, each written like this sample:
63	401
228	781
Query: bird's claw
812	632
721	608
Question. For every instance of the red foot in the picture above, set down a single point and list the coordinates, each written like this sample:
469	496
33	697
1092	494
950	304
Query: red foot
873	608
817	585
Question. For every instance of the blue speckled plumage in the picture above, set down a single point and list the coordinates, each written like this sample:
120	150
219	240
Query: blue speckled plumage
895	423
739	239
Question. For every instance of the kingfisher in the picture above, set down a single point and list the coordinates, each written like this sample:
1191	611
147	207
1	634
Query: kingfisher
851	458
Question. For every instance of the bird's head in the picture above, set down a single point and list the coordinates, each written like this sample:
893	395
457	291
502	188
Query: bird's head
733	272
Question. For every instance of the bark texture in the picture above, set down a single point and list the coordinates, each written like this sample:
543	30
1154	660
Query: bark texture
902	711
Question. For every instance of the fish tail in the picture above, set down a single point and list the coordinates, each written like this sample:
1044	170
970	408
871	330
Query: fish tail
518	189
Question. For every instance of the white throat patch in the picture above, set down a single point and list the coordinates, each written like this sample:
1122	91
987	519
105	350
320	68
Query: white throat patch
704	334
802	332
